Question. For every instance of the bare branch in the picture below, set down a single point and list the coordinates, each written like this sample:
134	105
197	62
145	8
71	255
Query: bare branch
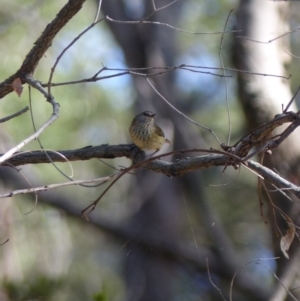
173	169
244	266
52	186
53	117
178	111
14	115
64	51
273	178
213	284
162	7
263	133
281	291
42	44
291	101
167	25
224	73
162	70
272	40
98	11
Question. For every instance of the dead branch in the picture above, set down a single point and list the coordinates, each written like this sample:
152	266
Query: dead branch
263	133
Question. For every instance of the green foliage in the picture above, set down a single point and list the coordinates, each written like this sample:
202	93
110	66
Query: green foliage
37	287
100	297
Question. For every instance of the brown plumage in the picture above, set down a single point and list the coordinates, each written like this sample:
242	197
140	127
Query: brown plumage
145	133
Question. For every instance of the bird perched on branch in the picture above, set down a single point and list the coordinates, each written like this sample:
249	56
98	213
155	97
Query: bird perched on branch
146	134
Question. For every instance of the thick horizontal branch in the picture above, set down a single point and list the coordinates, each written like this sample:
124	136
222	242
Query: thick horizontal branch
231	156
171	169
130	151
103	151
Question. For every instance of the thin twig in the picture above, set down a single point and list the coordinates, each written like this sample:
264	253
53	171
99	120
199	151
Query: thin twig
53	117
291	101
210	279
98	10
291	54
3	243
167	25
282	284
272	40
52	186
165	69
231	182
162	7
225	80
93	205
63	52
158	9
242	267
240	71
42	147
179	112
14	115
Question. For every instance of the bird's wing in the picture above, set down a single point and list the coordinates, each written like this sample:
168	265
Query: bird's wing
159	131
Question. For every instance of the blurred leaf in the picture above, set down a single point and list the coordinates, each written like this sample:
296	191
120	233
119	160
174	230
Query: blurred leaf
287	240
99	296
17	86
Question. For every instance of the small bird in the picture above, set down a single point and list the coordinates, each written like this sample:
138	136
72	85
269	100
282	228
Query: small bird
145	133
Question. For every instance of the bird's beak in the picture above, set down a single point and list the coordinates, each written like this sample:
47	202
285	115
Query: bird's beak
152	115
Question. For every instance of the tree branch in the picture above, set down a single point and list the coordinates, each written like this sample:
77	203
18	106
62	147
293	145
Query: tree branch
53	117
172	169
42	44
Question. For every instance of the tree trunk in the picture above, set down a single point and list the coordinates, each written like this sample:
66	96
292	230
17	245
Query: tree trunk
262	97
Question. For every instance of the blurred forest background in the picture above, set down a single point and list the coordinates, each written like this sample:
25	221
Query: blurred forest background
151	238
